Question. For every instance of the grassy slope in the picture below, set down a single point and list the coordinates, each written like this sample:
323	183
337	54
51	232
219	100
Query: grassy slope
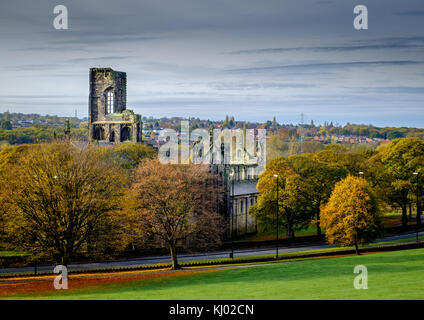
393	275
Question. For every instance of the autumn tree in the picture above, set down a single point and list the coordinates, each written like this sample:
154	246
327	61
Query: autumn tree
226	122
401	159
5	122
9	155
131	154
177	205
320	177
351	215
351	161
295	209
61	199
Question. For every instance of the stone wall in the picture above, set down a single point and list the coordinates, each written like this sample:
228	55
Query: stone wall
118	125
101	80
241	222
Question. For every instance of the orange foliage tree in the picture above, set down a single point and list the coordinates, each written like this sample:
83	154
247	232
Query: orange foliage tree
351	216
177	205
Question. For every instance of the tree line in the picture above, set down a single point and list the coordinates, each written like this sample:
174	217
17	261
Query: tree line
341	189
60	202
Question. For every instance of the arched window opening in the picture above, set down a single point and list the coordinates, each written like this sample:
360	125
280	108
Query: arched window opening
109	102
98	133
125	134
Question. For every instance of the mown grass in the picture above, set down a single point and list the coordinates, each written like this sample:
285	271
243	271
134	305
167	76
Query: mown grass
6	253
391	275
270	235
283	254
310	230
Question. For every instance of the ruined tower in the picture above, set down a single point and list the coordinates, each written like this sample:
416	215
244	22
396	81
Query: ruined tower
108	118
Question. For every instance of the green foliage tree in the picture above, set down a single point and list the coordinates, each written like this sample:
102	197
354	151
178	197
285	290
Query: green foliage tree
232	122
226	122
5	123
320	177
401	159
131	154
295	209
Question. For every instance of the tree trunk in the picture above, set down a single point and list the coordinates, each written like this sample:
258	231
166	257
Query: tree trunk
289	231
318	224
404	215
356	248
410	211
174	261
419	210
64	260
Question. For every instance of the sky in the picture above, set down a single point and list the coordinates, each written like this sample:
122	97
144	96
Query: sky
208	58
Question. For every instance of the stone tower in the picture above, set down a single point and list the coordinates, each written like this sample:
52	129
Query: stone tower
108	118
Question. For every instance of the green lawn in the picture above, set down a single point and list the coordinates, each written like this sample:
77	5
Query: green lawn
12	254
270	235
282	254
392	275
310	231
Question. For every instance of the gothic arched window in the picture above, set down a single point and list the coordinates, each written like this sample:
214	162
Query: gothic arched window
109	102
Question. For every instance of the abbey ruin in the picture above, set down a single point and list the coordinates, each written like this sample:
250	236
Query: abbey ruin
109	120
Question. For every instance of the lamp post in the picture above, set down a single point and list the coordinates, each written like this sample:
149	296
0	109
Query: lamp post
278	209
232	215
361	174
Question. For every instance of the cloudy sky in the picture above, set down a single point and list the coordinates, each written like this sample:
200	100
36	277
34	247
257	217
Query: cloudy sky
207	58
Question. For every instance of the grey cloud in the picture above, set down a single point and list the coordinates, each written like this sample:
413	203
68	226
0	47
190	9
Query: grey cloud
411	13
172	53
258	85
95	59
329	65
375	44
391	90
33	67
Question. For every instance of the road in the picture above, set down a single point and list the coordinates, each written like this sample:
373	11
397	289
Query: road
196	256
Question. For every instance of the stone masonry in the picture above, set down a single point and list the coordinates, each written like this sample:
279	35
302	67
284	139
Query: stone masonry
109	120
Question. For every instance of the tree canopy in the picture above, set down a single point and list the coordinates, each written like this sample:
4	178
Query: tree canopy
60	199
294	209
351	215
177	204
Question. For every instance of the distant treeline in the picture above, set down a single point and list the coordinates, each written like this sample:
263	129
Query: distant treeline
359	130
40	134
370	131
39	120
18	128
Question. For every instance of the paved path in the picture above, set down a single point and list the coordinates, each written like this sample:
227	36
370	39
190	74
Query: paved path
197	256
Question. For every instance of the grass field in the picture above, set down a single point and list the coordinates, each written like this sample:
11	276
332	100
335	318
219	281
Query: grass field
392	219
392	275
270	235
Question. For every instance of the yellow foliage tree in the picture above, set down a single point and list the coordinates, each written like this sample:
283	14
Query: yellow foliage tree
351	216
59	202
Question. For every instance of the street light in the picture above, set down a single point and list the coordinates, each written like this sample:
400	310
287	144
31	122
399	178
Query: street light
278	209
232	215
361	174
